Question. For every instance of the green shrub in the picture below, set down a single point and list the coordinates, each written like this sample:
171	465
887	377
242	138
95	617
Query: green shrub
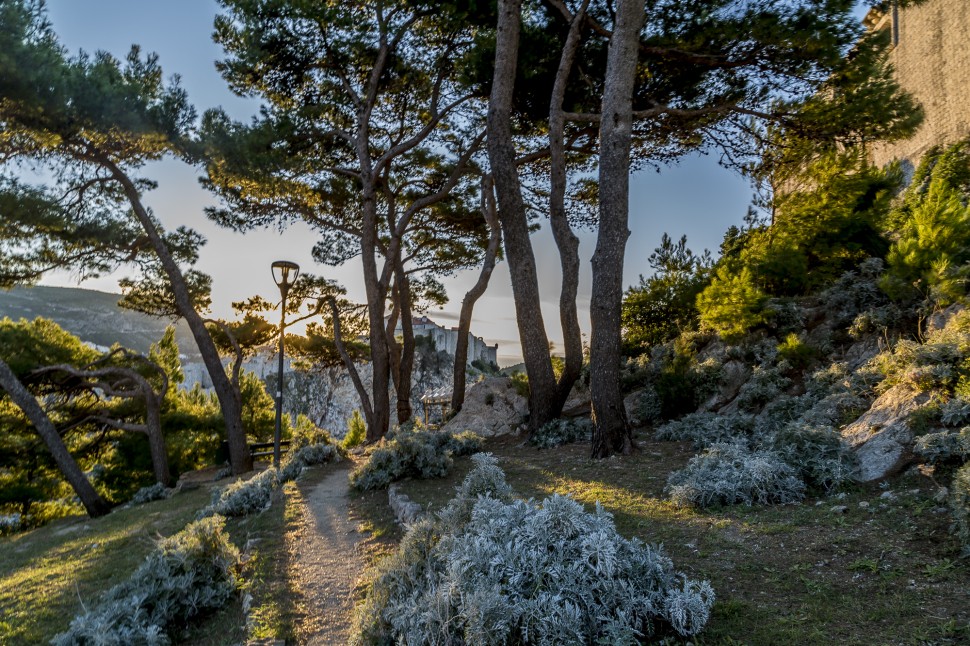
730	474
561	431
306	433
356	431
495	571
187	575
520	381
417	454
732	304
796	352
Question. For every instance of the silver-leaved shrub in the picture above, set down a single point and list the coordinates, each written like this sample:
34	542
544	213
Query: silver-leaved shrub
188	574
493	570
418	453
562	431
731	474
157	491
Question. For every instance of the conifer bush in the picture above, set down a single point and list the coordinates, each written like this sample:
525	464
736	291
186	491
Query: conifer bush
561	431
493	570
417	453
188	574
731	474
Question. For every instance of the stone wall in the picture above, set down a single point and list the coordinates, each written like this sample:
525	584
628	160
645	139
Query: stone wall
931	57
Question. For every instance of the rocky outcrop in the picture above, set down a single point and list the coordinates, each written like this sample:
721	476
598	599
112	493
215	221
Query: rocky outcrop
736	374
881	437
492	407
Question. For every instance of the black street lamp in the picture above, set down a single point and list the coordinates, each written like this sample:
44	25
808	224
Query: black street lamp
284	273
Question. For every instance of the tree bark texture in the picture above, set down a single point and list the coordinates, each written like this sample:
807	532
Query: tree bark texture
515	227
94	504
473	294
611	432
406	364
566	240
229	399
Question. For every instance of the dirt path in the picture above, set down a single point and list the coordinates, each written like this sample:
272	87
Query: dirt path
328	562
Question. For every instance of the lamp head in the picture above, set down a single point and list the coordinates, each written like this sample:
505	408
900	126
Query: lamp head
285	274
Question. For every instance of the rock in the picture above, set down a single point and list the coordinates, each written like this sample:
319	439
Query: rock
578	404
863	505
939	320
839	509
406	511
881	437
859	353
736	374
492	407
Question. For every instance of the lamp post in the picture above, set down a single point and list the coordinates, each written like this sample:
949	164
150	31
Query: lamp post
284	273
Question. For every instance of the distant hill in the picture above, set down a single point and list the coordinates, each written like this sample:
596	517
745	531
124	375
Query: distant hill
93	316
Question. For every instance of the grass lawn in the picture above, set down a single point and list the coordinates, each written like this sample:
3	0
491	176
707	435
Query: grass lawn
48	575
884	571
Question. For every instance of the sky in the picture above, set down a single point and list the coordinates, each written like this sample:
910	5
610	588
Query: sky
695	197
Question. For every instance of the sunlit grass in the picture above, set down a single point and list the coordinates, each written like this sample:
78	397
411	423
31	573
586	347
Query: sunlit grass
49	575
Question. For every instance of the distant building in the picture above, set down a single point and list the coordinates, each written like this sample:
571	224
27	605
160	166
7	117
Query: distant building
447	340
931	56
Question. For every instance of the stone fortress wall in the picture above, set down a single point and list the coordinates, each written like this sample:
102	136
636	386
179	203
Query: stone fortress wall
447	339
931	57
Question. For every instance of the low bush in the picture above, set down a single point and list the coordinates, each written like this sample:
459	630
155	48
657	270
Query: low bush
244	497
730	474
417	453
944	447
157	491
10	523
817	454
765	385
356	431
705	429
187	575
492	570
561	431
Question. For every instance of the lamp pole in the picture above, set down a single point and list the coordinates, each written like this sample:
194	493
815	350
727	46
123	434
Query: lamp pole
284	273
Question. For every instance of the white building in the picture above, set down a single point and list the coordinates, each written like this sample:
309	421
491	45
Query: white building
447	340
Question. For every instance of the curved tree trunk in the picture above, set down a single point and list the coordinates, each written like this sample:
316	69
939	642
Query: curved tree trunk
611	432
229	399
566	240
338	340
94	504
473	294
515	227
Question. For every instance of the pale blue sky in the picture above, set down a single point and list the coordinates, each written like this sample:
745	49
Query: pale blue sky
695	197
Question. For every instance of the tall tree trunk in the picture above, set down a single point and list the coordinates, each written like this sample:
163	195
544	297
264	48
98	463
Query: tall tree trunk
406	364
566	240
473	294
376	295
94	504
611	432
543	396
229	398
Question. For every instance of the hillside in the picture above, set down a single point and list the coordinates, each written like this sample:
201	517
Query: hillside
91	315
